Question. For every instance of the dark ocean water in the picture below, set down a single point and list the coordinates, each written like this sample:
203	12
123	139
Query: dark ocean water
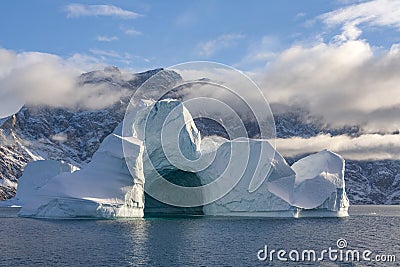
193	241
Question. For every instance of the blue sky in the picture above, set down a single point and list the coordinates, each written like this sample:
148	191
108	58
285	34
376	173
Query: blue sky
162	33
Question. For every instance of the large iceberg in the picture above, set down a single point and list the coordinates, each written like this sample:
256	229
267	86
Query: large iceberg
165	150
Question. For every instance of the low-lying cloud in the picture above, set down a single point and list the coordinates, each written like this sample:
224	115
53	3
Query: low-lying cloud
44	79
365	147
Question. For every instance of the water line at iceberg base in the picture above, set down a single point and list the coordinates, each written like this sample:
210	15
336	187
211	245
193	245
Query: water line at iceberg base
156	162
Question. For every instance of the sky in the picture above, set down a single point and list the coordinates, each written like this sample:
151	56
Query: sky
340	59
149	34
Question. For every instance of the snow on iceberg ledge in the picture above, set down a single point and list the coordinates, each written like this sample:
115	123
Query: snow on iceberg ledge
106	188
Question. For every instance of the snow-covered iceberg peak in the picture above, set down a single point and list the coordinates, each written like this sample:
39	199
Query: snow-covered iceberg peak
172	150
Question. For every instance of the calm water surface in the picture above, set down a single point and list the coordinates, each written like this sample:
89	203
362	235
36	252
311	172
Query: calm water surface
192	241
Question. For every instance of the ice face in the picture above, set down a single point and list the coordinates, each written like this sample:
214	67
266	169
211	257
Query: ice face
171	148
166	145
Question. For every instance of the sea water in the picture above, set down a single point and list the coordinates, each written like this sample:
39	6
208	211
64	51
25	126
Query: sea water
196	241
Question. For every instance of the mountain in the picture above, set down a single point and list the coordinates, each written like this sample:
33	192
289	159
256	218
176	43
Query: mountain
73	135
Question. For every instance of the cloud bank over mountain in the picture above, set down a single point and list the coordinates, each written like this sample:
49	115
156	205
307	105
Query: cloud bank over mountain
349	83
45	79
364	147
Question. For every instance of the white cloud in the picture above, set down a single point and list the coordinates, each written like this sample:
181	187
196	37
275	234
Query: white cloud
79	10
85	62
262	51
130	31
45	79
346	83
103	38
300	15
347	2
210	47
372	13
365	147
105	53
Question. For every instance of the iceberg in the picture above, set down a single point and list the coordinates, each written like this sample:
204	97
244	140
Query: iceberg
165	151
